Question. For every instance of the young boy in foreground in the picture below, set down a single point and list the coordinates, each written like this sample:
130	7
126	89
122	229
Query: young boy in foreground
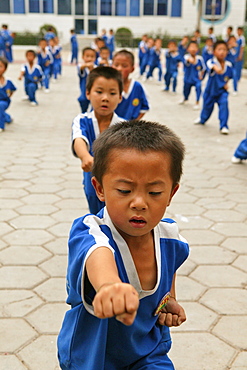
103	90
122	262
219	73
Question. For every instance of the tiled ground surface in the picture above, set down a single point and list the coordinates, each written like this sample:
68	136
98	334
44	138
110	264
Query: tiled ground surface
41	193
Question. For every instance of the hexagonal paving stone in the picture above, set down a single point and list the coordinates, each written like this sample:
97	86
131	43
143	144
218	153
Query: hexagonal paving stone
44	188
11	184
220	215
7	214
8	362
23	333
10	203
210	203
67	193
231	228
33	222
40	199
18	303
199	318
5	228
208	193
211	255
68	215
192	222
71	203
58	246
14	175
23	255
48	318
236	244
19	277
46	180
241	263
233	329
2	244
221	301
28	237
199	351
53	290
220	276
56	266
240	362
12	193
37	209
186	209
202	237
60	229
188	289
186	268
41	353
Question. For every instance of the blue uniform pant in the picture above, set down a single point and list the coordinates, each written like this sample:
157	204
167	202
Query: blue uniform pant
168	76
235	78
238	67
151	69
143	64
55	68
156	360
46	81
30	90
187	89
74	55
241	151
208	106
3	106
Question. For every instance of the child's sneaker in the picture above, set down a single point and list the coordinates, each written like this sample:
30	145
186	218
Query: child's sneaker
1	129
26	97
224	131
197	121
47	91
182	101
236	160
196	107
33	103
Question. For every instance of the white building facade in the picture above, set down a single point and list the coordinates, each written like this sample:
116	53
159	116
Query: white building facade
89	17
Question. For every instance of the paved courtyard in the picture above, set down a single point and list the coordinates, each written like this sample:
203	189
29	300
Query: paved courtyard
41	194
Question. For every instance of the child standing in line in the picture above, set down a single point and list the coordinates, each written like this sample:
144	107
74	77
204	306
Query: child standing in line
154	60
232	57
142	49
121	278
45	60
207	51
74	47
32	74
55	51
6	90
145	59
104	57
172	60
110	42
134	102
240	153
194	68
182	46
88	57
104	89
240	57
219	72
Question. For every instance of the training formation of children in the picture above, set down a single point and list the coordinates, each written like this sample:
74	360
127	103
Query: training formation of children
123	255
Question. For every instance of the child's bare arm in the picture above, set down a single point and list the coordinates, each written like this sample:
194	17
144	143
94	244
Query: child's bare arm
21	75
140	115
173	314
80	147
113	298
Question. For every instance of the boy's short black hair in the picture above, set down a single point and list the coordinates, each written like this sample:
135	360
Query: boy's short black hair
104	48
31	51
4	61
140	135
127	54
219	42
107	72
86	49
42	40
193	43
172	42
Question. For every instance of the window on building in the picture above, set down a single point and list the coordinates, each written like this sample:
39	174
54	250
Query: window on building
48	6
34	6
105	7
92	27
135	8
92	7
19	6
162	7
4	6
64	7
79	7
121	7
214	9
176	10
148	7
79	26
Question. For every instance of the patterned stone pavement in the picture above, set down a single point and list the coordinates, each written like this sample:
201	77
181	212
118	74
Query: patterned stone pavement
41	194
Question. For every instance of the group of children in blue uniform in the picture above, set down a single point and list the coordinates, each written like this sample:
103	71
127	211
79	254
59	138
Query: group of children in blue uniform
6	42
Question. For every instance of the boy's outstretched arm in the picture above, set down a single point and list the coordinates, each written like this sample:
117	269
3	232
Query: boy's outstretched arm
173	314
81	150
113	297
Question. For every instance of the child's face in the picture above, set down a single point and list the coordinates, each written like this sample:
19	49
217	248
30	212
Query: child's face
30	57
172	46
150	43
209	42
221	52
104	54
136	188
42	44
124	65
158	43
2	68
104	96
192	49
89	56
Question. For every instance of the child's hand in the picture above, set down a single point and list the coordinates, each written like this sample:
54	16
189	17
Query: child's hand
172	315
90	66
226	86
117	299
47	63
20	78
191	60
87	162
217	69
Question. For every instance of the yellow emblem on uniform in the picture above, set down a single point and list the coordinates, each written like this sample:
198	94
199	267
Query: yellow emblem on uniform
198	68
35	78
8	92
135	102
226	78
